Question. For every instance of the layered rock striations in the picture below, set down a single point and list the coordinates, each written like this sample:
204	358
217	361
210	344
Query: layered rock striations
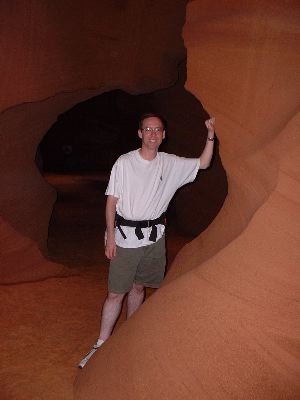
225	323
56	56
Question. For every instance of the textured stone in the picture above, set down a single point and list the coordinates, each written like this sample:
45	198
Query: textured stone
56	56
225	324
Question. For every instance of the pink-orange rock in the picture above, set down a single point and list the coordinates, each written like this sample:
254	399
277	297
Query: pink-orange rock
53	57
50	48
225	325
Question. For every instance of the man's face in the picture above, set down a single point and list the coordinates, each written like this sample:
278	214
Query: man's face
152	133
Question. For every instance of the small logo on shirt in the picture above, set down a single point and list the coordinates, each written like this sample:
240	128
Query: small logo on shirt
160	178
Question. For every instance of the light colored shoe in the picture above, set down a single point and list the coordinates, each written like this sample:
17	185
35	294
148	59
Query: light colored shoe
86	358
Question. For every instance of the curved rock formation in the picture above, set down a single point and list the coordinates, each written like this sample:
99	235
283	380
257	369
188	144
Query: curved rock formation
110	125
225	323
53	53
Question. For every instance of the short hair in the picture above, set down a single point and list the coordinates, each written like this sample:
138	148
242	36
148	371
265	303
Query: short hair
152	115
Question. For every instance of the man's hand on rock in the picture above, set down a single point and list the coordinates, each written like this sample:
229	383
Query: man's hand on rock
210	125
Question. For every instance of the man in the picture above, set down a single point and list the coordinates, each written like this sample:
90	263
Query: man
142	183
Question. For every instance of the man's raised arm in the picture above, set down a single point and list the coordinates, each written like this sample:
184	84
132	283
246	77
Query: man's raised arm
207	153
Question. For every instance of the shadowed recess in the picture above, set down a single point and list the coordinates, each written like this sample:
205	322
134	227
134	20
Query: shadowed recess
93	134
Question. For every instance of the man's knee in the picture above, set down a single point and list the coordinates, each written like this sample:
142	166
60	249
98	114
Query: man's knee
115	297
138	287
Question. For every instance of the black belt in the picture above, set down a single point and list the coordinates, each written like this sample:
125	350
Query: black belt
138	225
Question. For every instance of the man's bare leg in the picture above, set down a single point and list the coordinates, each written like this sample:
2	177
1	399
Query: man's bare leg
135	298
110	313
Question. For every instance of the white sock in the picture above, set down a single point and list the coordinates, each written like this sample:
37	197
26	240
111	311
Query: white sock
99	343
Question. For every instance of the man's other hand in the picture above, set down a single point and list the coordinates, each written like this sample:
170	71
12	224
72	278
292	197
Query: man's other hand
110	248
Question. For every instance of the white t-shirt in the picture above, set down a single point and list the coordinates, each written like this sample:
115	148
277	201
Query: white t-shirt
145	188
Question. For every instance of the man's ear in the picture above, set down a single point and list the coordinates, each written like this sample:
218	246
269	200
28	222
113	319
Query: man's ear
164	134
140	134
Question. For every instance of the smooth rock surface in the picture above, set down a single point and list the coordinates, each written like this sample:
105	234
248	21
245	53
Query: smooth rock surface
226	324
57	55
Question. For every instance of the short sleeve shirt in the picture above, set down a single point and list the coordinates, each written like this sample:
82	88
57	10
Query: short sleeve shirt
145	188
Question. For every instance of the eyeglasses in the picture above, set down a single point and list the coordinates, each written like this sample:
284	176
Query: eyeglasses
157	129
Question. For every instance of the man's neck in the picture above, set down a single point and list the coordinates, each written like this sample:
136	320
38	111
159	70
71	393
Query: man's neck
148	154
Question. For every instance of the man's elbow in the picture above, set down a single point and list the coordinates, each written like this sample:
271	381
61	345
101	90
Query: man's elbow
204	164
111	201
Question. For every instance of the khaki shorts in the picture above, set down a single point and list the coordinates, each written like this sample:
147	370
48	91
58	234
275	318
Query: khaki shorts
145	265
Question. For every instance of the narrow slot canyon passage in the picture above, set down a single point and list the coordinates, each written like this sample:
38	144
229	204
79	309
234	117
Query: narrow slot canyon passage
224	323
76	230
63	314
77	154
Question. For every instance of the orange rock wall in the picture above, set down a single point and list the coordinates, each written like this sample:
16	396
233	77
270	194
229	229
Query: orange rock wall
225	325
57	54
244	68
54	46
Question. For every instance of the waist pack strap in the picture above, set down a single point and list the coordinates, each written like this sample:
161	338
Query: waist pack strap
138	225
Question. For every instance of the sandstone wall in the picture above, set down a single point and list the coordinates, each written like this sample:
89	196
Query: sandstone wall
225	325
57	54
